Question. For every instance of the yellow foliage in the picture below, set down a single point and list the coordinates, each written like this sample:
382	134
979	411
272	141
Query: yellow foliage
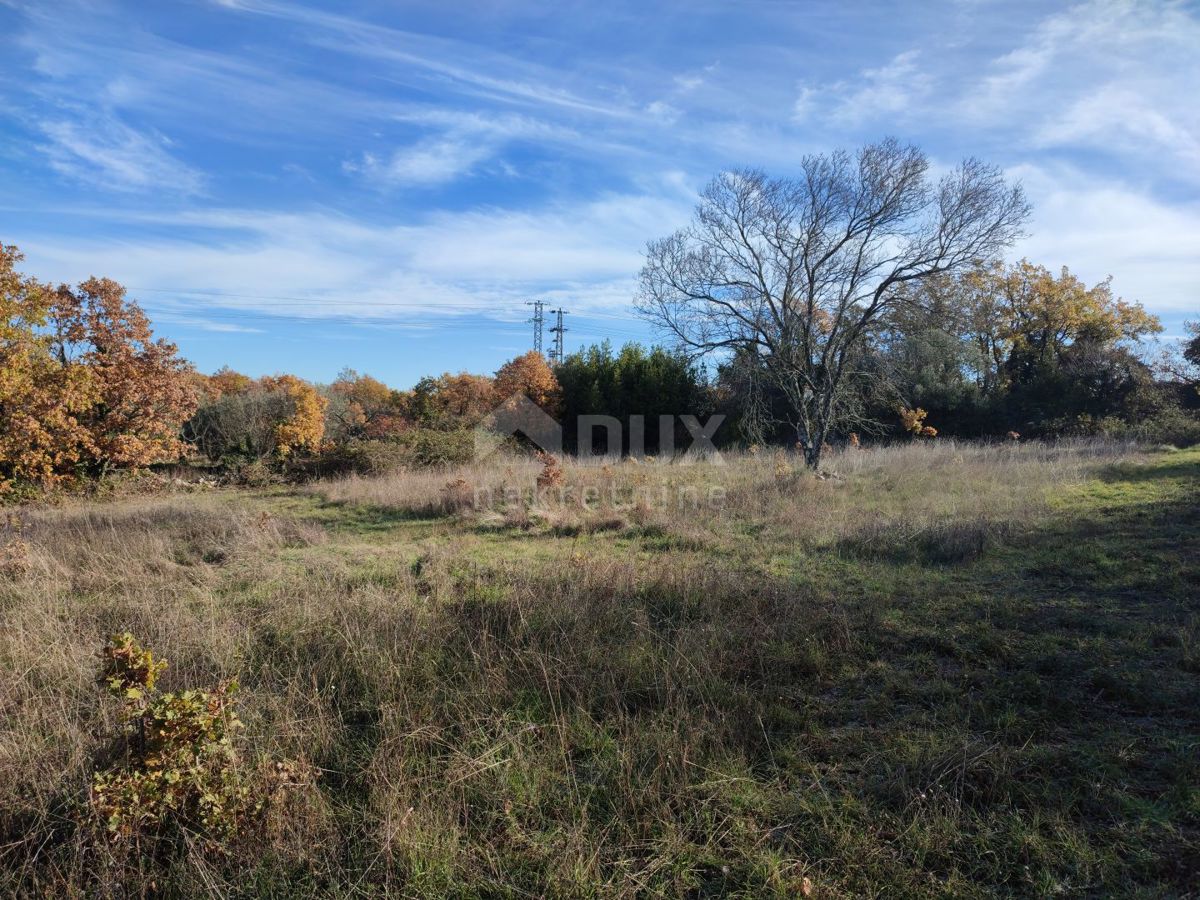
1026	308
305	427
912	419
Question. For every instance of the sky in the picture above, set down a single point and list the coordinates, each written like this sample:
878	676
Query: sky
302	187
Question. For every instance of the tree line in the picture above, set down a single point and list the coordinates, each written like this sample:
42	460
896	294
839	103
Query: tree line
856	300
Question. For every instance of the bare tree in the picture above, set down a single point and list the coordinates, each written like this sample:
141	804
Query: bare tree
798	270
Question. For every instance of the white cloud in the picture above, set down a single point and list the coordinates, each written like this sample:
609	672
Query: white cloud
1119	116
467	139
428	162
663	112
319	264
806	101
103	151
1101	228
468	68
1106	75
885	92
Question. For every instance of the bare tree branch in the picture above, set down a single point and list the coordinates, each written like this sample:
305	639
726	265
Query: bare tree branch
799	270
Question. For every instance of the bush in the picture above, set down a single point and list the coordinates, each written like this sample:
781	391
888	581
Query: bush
1171	425
238	427
432	447
416	449
1168	425
354	457
177	771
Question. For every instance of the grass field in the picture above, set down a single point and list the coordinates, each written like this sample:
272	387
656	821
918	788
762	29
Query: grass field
944	671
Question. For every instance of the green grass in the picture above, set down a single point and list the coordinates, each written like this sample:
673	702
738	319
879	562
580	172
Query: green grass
974	684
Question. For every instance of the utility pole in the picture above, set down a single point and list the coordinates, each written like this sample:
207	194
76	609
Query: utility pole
537	320
556	355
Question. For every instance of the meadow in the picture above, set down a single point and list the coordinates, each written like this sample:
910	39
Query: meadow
939	669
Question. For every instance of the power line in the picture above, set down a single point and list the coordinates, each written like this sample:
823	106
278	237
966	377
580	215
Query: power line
386	304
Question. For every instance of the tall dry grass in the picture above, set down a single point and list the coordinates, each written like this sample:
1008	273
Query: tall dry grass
948	497
595	723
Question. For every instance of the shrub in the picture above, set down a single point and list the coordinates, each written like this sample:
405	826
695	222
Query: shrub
275	417
433	447
552	472
256	473
913	421
1169	425
457	495
358	457
238	426
177	770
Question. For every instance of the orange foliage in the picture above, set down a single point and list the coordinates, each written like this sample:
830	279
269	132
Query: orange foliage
552	472
39	396
226	381
83	384
143	390
453	400
530	375
365	407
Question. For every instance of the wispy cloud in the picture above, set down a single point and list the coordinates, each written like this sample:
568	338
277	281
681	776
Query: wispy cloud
490	74
370	160
887	91
461	142
1105	75
320	264
99	149
428	162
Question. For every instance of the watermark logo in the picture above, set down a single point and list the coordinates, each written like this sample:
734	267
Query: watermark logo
518	415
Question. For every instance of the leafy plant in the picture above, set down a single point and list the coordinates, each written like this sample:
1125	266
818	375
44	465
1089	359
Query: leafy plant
179	771
913	421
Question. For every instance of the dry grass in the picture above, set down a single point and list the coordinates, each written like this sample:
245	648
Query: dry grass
722	699
950	497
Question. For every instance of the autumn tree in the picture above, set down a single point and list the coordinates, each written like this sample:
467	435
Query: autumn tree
226	381
143	390
1006	345
276	417
453	401
798	271
84	386
41	439
531	375
1027	317
364	407
304	426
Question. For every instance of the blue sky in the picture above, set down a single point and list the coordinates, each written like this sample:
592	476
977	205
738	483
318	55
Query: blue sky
302	187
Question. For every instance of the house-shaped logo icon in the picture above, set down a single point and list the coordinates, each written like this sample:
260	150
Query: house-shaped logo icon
518	415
